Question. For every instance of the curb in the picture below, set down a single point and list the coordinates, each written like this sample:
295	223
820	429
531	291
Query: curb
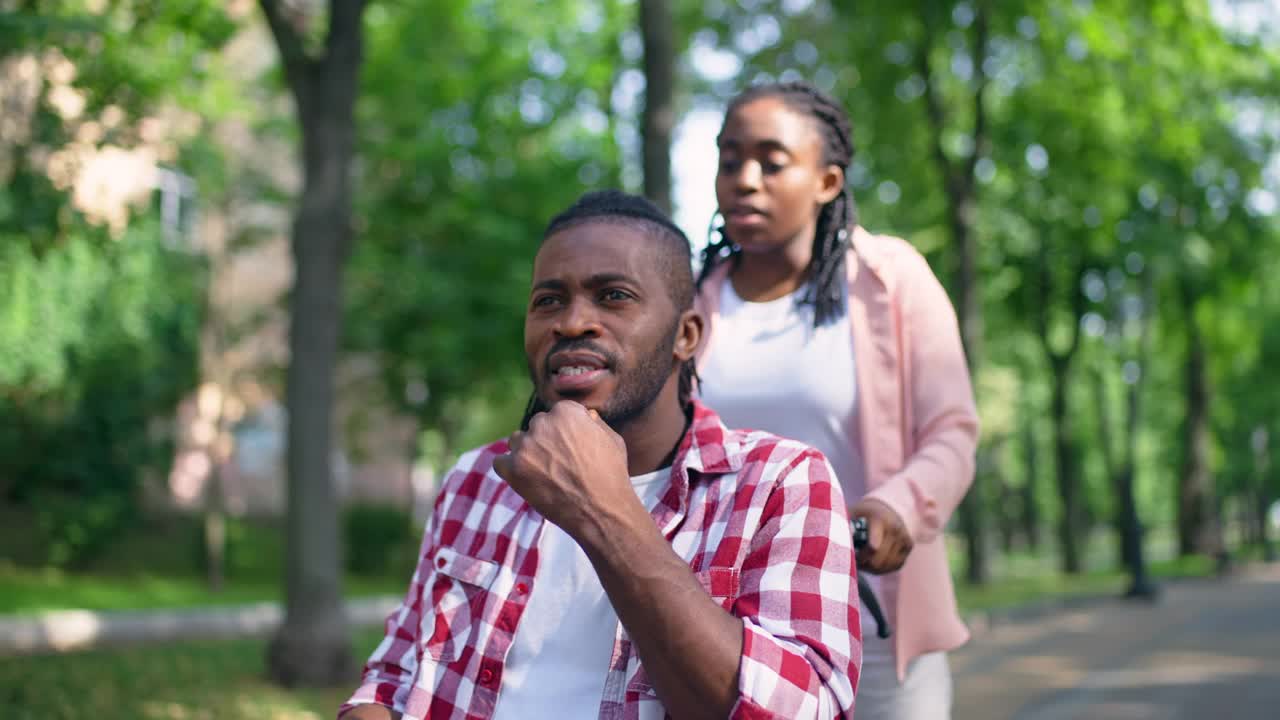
72	630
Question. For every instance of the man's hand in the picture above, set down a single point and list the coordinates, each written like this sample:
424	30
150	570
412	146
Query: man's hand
370	711
888	543
570	466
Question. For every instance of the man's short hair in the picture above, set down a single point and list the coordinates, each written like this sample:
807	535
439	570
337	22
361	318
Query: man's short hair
615	206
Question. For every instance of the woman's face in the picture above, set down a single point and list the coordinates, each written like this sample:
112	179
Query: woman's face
772	180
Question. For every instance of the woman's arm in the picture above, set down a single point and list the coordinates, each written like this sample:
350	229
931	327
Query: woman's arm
945	431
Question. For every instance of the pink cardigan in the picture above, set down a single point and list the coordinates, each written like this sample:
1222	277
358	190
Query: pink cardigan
917	428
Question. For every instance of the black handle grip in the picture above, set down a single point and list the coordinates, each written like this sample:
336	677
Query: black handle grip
861	536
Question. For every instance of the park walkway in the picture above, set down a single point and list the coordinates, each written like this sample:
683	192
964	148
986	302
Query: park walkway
68	630
1209	649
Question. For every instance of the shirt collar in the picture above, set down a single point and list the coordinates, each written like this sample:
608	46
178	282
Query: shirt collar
708	447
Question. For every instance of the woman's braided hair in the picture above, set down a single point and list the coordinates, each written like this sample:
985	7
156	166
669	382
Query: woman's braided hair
831	238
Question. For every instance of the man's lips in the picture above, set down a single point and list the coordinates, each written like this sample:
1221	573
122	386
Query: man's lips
575	359
576	371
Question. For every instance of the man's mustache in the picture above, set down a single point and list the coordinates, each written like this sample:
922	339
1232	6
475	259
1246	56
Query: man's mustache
583	344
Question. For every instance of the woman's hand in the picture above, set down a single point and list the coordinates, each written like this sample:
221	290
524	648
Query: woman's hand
888	542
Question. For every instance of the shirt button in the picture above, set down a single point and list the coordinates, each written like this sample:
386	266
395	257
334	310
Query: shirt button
486	676
521	588
441	562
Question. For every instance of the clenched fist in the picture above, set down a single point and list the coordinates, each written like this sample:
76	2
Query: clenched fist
888	542
570	466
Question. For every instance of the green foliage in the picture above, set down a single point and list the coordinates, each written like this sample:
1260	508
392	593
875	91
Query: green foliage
253	550
1121	143
463	166
214	679
103	342
379	539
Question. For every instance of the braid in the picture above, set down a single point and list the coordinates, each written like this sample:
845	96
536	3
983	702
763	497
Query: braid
831	238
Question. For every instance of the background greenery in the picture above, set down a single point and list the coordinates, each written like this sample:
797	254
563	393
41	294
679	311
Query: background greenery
1094	181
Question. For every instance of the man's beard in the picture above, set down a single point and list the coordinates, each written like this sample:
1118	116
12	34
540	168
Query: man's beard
637	389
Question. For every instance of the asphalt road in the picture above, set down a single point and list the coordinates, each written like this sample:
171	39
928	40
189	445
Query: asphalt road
1206	650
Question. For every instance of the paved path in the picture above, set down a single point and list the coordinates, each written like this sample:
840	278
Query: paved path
67	630
1208	650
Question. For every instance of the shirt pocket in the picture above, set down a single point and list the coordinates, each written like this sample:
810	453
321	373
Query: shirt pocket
455	602
721	583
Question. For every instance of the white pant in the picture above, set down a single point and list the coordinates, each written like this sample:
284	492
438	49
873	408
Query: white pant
925	693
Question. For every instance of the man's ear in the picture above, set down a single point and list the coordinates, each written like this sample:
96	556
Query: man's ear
830	184
689	336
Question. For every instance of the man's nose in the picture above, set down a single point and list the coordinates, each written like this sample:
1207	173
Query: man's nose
578	319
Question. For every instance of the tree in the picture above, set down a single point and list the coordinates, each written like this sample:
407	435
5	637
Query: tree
312	646
960	185
1121	465
658	117
461	170
99	307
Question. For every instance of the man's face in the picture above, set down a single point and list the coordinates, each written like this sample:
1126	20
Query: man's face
601	327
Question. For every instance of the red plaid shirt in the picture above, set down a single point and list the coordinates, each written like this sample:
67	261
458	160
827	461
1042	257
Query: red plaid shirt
759	519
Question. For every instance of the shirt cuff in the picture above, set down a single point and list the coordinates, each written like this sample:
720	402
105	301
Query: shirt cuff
775	683
374	693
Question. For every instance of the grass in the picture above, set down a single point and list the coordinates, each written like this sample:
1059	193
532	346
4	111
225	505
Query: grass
213	680
33	590
1013	591
157	563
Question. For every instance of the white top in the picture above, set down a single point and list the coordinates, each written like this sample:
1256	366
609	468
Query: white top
559	657
768	368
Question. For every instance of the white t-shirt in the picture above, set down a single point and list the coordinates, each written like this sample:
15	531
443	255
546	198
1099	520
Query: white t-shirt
559	657
768	368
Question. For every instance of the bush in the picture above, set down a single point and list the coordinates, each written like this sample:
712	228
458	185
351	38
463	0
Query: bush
100	341
378	539
253	549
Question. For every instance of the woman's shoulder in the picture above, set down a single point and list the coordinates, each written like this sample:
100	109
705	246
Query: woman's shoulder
896	261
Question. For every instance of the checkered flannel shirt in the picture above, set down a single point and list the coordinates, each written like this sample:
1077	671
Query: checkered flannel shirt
762	524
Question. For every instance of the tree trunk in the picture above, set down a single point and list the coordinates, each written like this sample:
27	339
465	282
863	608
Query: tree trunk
659	104
1262	496
1131	544
960	188
1198	529
1069	526
312	646
1264	525
1029	509
1111	465
1007	518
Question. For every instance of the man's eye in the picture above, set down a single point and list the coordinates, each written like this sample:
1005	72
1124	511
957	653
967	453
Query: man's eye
730	165
616	295
770	167
544	301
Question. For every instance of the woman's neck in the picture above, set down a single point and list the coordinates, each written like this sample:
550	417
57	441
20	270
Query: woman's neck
762	276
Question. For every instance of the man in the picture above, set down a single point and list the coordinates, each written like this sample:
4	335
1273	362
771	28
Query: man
625	555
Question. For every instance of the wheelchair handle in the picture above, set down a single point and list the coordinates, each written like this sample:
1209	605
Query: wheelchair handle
861	536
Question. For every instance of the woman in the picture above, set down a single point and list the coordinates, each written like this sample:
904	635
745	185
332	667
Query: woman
821	331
